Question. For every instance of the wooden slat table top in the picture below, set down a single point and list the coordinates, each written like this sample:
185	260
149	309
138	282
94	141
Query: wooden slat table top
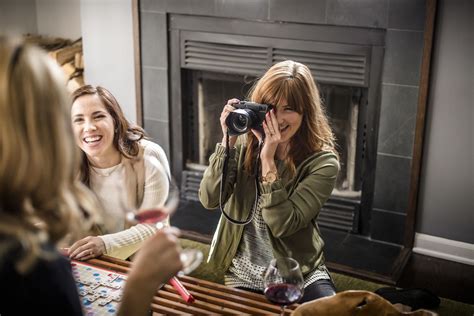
210	297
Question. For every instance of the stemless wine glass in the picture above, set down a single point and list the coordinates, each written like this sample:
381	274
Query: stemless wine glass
190	258
283	280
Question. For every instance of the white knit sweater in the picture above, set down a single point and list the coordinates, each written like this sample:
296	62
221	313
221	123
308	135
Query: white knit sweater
109	186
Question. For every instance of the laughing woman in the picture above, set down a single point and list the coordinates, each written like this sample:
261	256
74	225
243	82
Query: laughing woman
298	166
123	169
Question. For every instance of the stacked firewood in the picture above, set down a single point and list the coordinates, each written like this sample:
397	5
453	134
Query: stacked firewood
67	53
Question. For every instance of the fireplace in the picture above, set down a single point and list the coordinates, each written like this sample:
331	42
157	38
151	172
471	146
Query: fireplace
211	67
366	58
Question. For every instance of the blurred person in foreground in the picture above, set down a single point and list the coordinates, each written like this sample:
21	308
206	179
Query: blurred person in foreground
42	202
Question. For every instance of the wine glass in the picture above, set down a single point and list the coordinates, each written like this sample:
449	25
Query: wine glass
190	258
283	280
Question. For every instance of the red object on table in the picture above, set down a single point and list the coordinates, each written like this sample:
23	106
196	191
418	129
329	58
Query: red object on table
181	290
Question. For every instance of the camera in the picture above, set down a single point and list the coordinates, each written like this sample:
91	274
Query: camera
246	116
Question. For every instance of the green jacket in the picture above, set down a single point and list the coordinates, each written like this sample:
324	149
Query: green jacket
289	206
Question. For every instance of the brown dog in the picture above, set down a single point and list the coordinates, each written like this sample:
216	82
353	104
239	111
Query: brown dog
357	303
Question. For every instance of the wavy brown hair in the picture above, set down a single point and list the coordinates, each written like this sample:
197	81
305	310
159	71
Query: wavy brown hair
126	136
291	82
40	197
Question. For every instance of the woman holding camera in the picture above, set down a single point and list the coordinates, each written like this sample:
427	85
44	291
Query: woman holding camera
298	167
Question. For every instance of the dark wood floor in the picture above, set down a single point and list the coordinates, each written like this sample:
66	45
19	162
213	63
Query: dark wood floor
446	279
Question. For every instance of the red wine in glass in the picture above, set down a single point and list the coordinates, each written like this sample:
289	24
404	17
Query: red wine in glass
284	283
150	216
190	258
283	294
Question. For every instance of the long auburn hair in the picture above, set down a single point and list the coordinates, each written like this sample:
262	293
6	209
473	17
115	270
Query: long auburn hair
292	82
40	197
126	136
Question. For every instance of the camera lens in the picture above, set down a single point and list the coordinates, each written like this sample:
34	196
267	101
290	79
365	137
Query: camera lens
240	121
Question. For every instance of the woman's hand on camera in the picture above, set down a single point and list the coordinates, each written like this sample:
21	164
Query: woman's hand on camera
272	136
228	108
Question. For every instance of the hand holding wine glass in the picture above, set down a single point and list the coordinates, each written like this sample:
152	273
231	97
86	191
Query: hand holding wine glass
190	258
284	283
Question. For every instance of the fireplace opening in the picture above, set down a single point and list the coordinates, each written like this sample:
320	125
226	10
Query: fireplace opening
342	105
206	92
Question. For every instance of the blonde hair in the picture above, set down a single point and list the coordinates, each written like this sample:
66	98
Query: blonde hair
291	82
40	198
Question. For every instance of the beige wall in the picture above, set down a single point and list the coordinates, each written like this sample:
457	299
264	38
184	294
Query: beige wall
446	207
107	32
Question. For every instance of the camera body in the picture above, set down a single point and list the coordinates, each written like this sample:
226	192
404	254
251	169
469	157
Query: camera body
246	116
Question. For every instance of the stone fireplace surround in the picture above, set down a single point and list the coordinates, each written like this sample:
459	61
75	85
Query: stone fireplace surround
401	23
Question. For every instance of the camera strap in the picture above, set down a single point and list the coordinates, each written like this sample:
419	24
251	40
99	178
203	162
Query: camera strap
224	176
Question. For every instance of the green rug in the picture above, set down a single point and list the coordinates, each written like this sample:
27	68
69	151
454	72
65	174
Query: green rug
342	282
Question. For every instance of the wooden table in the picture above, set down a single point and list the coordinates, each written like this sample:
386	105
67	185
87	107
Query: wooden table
210	297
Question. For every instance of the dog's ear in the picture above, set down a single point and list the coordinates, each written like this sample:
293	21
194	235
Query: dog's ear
362	303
